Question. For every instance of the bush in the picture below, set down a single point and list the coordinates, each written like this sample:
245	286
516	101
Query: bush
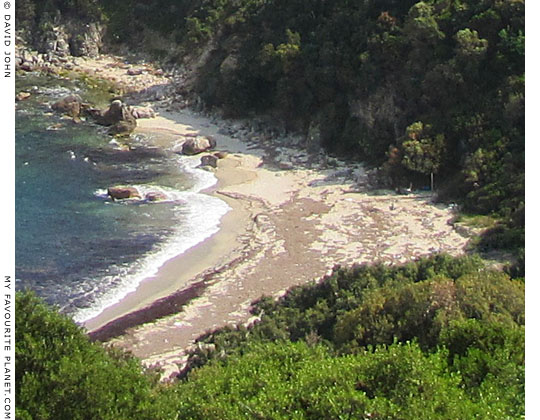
60	374
283	381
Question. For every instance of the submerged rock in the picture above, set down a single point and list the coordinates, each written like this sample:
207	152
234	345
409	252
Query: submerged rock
155	196
122	128
69	105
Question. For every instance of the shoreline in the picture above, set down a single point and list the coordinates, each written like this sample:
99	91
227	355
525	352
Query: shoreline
296	225
294	216
181	272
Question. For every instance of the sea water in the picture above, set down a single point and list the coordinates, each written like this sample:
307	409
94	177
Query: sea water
75	247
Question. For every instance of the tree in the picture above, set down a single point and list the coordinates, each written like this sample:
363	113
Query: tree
422	152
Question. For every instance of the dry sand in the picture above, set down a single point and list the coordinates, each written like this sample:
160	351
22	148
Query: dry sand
286	227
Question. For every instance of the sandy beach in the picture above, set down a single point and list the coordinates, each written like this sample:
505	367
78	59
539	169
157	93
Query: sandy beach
294	216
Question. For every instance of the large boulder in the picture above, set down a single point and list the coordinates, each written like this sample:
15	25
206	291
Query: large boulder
116	112
196	145
117	116
70	105
121	192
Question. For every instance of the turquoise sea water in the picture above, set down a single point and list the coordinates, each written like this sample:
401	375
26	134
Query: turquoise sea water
75	247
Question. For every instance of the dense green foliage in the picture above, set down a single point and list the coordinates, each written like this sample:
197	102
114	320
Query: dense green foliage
417	87
440	338
32	15
295	381
61	375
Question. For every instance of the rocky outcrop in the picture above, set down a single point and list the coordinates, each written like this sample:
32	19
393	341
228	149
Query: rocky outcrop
381	107
121	192
86	41
196	145
55	41
70	105
229	65
70	37
117	116
313	140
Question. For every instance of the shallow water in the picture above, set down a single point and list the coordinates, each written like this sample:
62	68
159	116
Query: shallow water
75	247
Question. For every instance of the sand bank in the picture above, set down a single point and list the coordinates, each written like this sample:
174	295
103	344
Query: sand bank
287	227
294	216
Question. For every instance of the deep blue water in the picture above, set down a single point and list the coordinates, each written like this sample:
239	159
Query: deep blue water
76	248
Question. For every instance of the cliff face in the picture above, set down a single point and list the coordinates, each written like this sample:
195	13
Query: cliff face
72	37
66	36
60	30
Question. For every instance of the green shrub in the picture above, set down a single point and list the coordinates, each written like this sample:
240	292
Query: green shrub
60	374
284	381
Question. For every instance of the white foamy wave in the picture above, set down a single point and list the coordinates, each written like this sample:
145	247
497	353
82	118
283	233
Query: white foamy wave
169	194
203	179
101	193
203	213
58	91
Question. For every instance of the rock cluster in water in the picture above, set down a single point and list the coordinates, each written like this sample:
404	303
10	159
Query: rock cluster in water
118	117
124	192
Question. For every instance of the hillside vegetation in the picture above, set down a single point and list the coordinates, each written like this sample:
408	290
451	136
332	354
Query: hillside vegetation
440	338
419	89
